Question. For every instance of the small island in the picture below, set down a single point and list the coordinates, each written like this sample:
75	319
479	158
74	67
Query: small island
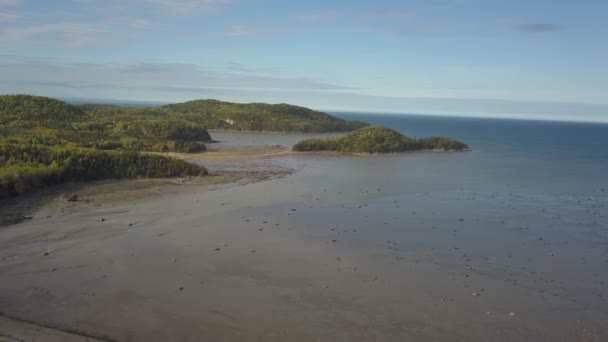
378	140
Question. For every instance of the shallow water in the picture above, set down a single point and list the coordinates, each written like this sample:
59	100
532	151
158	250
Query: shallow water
507	242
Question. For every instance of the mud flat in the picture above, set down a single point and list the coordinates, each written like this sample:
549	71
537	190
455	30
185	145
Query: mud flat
286	247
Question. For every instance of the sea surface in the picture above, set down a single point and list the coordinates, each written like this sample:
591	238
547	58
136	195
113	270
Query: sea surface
515	228
507	242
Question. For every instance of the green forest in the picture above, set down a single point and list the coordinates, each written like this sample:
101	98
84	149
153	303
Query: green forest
376	139
46	141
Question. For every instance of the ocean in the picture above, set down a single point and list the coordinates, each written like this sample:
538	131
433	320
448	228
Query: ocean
506	242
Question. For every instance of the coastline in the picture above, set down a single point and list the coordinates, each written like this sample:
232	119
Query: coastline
17	209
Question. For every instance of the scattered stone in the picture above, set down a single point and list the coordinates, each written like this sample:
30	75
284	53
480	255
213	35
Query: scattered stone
475	294
181	288
71	198
53	270
375	278
252	251
45	253
334	241
325	287
293	210
217	249
461	220
260	229
130	224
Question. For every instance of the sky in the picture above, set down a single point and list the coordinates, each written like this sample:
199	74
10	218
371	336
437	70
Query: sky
530	59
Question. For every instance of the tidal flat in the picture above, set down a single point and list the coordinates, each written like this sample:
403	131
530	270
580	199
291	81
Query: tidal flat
304	247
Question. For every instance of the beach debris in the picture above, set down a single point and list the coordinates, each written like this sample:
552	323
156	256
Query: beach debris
130	224
52	270
181	288
293	209
375	278
325	286
252	251
334	241
101	220
475	294
70	198
461	220
260	229
217	249
512	314
45	253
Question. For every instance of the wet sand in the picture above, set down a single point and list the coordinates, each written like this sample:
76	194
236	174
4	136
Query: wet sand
262	255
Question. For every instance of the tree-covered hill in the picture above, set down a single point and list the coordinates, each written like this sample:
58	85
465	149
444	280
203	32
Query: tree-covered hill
44	141
27	111
214	114
376	139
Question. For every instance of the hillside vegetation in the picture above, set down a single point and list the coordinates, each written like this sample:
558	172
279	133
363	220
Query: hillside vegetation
45	141
376	139
214	114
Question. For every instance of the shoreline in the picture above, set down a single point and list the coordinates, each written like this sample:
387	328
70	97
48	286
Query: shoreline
15	210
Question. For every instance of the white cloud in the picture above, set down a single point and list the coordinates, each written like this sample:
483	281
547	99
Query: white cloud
7	3
4	17
241	31
189	6
18	73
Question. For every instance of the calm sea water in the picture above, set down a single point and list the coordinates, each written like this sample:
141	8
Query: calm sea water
521	221
553	156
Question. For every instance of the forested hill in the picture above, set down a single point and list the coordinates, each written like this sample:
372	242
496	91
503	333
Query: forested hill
37	110
44	141
215	114
377	139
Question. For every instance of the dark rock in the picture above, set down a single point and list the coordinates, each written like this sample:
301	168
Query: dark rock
71	198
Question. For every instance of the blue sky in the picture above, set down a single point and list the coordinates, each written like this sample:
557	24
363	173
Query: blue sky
520	59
